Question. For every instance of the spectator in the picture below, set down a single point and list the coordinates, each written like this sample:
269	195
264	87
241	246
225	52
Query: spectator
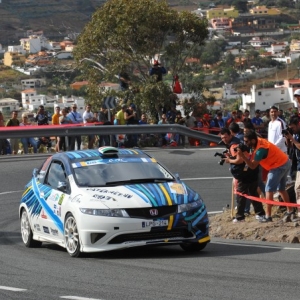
171	114
64	119
28	140
266	120
280	115
14	142
190	121
246	116
257	121
55	121
42	118
143	120
246	178
88	117
232	118
177	87
179	138
276	125
104	140
130	117
217	123
236	130
163	121
275	161
157	70
76	118
293	142
3	142
120	117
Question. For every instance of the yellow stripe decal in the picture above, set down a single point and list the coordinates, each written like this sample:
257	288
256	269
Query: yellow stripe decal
169	201
153	160
29	188
204	240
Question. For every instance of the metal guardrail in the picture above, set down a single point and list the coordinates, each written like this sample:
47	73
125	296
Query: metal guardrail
71	130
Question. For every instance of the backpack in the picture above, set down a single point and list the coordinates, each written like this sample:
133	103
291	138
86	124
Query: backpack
177	89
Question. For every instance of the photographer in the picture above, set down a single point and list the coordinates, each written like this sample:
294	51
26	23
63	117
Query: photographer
246	178
292	135
274	160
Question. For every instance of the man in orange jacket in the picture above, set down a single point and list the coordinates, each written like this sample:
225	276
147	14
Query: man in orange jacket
271	158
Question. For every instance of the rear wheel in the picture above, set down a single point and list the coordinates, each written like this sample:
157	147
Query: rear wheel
71	236
193	247
26	232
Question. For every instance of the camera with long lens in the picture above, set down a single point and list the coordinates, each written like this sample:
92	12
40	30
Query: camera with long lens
241	146
287	131
222	155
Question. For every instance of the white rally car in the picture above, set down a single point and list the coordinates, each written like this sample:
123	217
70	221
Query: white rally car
107	199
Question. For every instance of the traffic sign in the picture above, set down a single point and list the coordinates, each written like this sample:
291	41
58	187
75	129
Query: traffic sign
109	102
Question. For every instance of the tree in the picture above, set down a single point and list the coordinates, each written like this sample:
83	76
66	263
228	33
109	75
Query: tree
126	35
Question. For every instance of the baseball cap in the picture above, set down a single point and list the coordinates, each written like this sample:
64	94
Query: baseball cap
297	92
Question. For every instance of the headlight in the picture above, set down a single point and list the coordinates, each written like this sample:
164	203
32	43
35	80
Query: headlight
189	206
120	213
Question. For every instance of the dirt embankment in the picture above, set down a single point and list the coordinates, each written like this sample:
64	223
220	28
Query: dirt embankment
279	230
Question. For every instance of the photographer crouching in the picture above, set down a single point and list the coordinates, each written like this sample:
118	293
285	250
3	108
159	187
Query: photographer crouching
247	179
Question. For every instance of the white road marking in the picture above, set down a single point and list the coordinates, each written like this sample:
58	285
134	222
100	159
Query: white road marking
8	288
205	178
78	298
256	246
214	212
11	192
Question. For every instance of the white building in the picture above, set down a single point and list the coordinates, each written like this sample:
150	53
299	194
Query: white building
8	104
229	92
17	49
32	83
264	98
32	44
31	100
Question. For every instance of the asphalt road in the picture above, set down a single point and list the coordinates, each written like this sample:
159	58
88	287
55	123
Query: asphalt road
224	270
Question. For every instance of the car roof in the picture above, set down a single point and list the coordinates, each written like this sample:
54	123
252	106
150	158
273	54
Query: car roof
83	155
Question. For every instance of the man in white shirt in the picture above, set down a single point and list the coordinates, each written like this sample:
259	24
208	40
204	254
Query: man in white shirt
276	125
88	117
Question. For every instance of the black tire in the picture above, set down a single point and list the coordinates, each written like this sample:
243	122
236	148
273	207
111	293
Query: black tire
193	247
71	236
26	232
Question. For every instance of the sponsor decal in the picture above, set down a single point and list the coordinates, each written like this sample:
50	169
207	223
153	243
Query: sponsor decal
54	231
61	199
102	197
36	227
116	160
105	191
76	199
43	215
177	188
53	197
46	229
58	212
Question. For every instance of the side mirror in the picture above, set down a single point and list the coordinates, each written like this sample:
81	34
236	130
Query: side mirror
35	172
62	186
177	176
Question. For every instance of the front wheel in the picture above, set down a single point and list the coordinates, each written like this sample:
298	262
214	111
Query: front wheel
71	236
193	247
26	232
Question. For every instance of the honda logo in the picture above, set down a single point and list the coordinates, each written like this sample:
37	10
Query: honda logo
153	212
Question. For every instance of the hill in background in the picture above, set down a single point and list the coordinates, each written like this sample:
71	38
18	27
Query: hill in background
56	18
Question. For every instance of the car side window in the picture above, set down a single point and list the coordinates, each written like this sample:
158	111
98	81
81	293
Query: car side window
56	174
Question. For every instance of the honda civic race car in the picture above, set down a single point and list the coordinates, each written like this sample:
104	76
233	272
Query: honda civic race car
107	199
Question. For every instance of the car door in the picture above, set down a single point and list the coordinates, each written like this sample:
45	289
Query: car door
56	187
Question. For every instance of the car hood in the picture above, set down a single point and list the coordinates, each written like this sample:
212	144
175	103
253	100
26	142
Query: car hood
139	195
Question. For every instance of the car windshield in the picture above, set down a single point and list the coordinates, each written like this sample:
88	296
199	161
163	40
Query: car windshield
101	174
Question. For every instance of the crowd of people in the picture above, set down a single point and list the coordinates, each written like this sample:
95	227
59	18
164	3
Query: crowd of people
264	158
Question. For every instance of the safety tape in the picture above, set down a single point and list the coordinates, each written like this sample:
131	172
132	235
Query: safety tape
267	201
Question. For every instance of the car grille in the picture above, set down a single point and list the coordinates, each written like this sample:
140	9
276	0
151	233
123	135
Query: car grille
153	235
144	213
